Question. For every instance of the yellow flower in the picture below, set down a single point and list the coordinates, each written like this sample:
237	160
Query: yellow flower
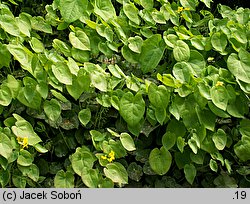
104	157
180	9
110	157
219	83
23	142
112	153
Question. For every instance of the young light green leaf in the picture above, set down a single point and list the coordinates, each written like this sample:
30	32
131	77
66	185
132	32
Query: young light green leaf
135	44
80	84
239	65
127	142
116	172
159	96
105	9
24	129
213	165
131	12
181	51
5	146
180	142
79	40
64	179
84	116
72	10
160	160
62	73
5	95
25	158
82	158
219	41
90	177
8	22
220	139
219	96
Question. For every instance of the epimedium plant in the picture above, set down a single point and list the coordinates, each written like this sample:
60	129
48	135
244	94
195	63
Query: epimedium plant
101	93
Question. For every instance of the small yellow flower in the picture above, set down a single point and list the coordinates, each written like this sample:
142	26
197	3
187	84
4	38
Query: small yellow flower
112	153
219	83
180	9
104	157
110	157
23	142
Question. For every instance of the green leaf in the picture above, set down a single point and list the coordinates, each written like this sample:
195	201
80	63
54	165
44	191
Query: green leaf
72	10
84	116
220	139
197	62
159	96
219	41
38	23
181	51
132	108
5	95
4	177
160	115
135	44
168	140
213	165
180	143
82	158
62	73
117	173
36	45
151	53
31	171
105	9
131	12
147	4
64	179
5	146
239	65
80	84
127	142
8	22
135	171
190	173
25	158
24	129
79	40
22	55
99	80
219	96
242	148
62	47
206	117
160	160
39	148
245	127
90	177
182	72
191	4
52	109
5	56
19	181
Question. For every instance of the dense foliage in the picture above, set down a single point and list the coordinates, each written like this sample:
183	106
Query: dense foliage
143	93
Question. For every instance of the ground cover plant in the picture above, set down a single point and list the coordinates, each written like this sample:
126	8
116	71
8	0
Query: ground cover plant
122	93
